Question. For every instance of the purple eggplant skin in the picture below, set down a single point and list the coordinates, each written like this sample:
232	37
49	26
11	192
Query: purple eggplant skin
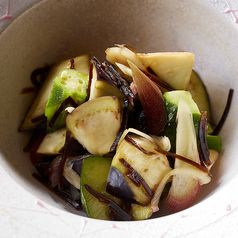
77	163
118	187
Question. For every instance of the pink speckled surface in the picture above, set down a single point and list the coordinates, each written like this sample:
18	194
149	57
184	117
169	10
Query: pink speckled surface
27	210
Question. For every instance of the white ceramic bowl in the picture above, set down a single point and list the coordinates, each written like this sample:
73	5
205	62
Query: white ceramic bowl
51	31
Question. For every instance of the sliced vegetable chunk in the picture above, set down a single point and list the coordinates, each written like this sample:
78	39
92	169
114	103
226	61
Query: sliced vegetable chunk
94	173
171	100
214	142
69	83
184	188
96	123
151	166
118	138
101	88
175	68
139	212
199	95
53	142
81	64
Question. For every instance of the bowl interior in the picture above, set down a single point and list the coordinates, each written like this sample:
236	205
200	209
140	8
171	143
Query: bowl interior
55	30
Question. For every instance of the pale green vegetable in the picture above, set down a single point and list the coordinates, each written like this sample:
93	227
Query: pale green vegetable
69	83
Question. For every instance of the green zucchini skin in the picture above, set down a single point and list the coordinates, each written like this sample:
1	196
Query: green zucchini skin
199	94
171	104
94	173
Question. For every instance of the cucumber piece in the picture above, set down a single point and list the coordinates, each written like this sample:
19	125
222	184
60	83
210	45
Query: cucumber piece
69	82
199	95
94	173
171	100
37	109
184	188
171	103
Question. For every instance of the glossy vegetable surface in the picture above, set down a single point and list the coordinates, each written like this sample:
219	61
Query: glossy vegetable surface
118	137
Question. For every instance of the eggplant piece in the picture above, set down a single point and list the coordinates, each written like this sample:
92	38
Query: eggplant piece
94	173
117	185
69	83
53	143
71	175
151	167
77	163
37	109
96	123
